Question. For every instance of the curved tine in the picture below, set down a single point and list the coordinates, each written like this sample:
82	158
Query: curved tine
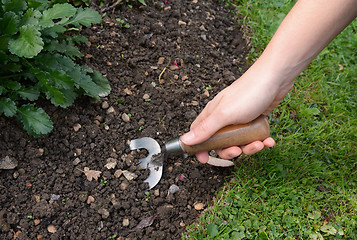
150	145
154	177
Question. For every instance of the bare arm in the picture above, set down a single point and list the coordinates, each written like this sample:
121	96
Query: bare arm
305	31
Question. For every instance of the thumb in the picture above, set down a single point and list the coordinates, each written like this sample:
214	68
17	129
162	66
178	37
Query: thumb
201	131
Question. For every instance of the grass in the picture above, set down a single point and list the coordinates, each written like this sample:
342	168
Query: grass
306	186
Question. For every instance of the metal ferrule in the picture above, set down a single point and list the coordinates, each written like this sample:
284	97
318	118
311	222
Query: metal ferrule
174	146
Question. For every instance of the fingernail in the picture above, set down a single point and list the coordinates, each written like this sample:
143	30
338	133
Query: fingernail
187	138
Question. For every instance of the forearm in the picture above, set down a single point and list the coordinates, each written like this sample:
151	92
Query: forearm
308	28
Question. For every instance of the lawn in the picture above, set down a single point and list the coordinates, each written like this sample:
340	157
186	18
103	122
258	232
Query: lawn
306	186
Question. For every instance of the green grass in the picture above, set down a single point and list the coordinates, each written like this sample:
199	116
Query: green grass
306	186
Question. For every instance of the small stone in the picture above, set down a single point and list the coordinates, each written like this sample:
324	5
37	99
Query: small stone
90	199
141	122
104	212
123	186
118	173
146	96
174	68
41	151
51	229
88	56
173	189
126	222
111	24
194	103
182	224
96	122
37	222
99	118
37	198
184	78
109	63
8	163
127	91
110	110
182	23
198	206
206	93
168	8
129	175
202	28
78	151
161	60
105	105
76	161
170	169
176	77
16	175
157	192
55	197
76	127
106	127
125	117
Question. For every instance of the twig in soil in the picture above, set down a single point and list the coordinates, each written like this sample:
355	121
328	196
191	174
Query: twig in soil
164	70
104	9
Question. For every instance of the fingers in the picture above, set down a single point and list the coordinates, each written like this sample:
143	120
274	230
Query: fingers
202	157
229	153
249	149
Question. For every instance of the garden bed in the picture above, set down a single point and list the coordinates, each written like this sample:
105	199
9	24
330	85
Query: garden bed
164	62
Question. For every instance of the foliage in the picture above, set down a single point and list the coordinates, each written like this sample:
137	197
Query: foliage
37	59
306	186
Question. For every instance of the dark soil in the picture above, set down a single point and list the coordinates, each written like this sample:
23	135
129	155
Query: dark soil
48	192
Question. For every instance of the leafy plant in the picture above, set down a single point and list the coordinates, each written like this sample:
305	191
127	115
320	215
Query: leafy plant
37	54
122	23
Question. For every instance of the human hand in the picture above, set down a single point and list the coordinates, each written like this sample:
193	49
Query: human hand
255	93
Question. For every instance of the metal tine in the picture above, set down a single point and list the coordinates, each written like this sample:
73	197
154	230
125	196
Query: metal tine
150	144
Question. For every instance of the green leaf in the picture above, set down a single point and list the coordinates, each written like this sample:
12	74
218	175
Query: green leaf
31	17
142	2
102	84
212	229
262	236
328	229
31	93
8	107
4	43
14	5
88	86
13	85
85	17
314	215
237	235
9	23
58	11
53	31
35	120
65	47
28	44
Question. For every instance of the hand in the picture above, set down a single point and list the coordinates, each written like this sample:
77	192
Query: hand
255	93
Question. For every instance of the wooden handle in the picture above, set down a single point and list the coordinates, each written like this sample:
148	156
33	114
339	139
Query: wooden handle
233	135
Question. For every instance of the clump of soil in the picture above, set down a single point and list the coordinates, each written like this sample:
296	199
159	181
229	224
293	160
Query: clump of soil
163	70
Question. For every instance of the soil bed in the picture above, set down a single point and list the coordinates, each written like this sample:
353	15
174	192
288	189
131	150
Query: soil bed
163	70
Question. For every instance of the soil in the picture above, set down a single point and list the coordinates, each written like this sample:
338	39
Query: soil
163	70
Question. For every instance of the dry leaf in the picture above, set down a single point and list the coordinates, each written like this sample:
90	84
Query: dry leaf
90	174
111	163
146	222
